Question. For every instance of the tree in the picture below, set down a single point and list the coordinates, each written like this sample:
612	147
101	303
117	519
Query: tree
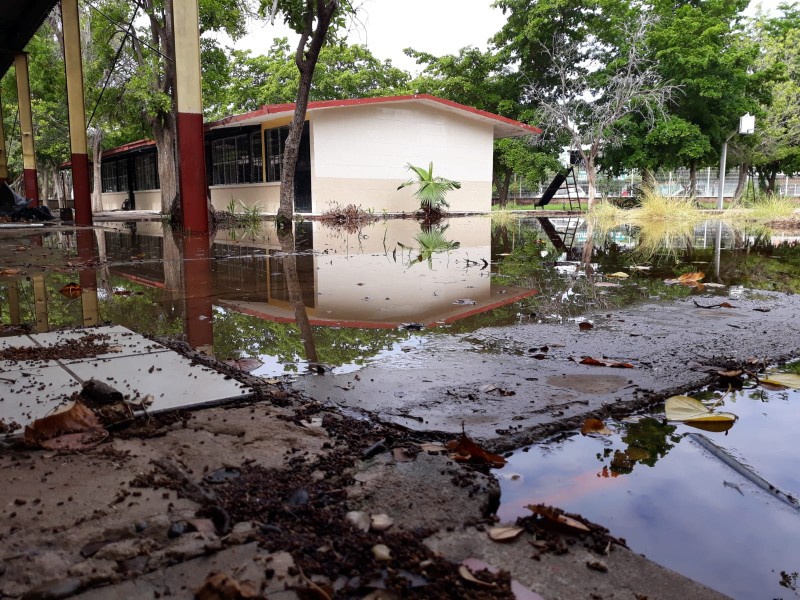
589	105
311	19
777	140
342	71
485	80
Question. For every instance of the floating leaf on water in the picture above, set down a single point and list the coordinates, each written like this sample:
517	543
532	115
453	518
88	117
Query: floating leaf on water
595	426
359	519
634	453
618	275
712	426
641	267
465	573
715	285
585	326
71	291
786	380
222	586
504	534
557	517
685	409
488	388
10	271
465	450
732	373
607	284
244	364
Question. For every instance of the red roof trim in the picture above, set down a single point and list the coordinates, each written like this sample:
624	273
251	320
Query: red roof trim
137	145
271	109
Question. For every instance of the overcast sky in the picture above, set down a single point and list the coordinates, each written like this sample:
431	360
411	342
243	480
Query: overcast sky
436	26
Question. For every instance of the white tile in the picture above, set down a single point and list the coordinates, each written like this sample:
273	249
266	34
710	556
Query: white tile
34	394
124	340
172	379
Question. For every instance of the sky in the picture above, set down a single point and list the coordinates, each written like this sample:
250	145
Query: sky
435	26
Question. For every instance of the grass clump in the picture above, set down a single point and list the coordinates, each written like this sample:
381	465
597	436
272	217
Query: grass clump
348	218
772	207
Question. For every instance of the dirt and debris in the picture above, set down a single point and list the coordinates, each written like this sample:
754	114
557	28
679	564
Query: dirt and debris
89	345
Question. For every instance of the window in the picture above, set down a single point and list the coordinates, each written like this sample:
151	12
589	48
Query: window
274	142
236	159
108	172
146	172
122	175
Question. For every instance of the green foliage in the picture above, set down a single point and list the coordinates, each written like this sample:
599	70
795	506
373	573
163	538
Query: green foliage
431	240
431	190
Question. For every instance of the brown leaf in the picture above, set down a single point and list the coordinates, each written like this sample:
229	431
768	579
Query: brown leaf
465	450
75	423
595	426
556	516
585	326
244	364
464	571
733	373
71	291
504	534
219	586
598	362
10	271
687	277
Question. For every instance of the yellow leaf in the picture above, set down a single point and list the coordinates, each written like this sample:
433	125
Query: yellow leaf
618	275
685	409
686	277
789	380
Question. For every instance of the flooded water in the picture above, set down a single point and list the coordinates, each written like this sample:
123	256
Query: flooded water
657	485
384	292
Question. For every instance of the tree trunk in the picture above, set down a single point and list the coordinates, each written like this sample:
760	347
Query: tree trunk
45	185
97	163
502	185
773	175
693	179
164	134
744	169
591	182
306	61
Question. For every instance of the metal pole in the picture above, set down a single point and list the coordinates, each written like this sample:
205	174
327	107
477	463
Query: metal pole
722	159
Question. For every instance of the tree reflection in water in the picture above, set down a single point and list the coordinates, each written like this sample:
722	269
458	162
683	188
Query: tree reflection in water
295	293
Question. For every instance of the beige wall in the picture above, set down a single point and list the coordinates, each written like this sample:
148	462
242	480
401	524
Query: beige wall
359	156
264	195
145	200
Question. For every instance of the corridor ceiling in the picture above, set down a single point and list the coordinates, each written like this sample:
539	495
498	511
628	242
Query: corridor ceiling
19	20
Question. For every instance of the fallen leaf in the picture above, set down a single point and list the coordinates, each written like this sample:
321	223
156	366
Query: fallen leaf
554	515
465	450
585	326
595	426
597	362
685	409
733	373
618	275
712	426
465	573
504	534
607	284
10	271
426	447
687	277
74	422
71	291
219	586
786	380
244	364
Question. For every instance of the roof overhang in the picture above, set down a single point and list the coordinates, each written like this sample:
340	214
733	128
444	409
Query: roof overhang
19	20
503	126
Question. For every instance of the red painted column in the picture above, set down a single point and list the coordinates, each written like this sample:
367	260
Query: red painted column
3	157
77	112
198	292
191	154
88	277
26	128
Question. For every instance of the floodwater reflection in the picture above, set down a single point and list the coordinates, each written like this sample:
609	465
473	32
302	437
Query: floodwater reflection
363	295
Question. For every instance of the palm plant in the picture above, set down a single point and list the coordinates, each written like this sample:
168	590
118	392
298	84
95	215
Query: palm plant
431	191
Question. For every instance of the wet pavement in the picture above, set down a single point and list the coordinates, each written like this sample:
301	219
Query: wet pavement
480	324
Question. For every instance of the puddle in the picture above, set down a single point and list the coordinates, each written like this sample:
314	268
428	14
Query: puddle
656	485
